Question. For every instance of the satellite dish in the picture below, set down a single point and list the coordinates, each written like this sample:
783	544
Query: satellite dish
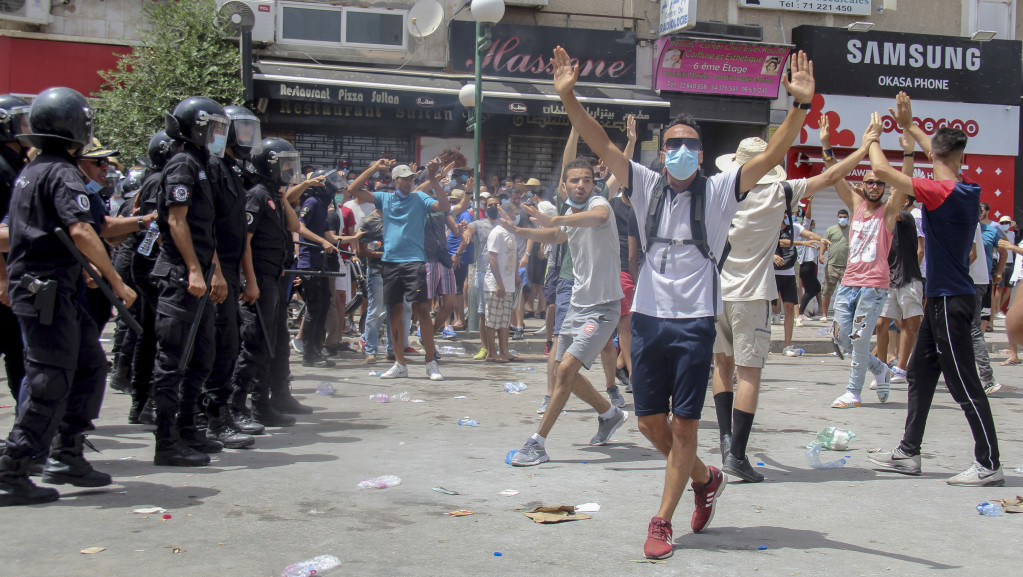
425	17
238	17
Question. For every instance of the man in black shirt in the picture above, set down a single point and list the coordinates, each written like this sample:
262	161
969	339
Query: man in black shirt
13	121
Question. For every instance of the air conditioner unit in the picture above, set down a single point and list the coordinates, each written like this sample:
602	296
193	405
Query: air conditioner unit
261	13
29	11
526	3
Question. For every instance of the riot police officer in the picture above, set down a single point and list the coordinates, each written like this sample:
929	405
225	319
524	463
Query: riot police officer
13	121
262	367
186	216
124	339
226	174
317	290
64	363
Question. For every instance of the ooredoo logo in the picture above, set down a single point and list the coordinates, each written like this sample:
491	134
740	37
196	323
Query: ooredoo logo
931	125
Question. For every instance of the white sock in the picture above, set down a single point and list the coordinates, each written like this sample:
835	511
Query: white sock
608	413
539	440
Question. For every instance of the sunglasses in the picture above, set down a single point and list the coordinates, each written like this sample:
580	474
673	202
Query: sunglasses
100	162
677	143
877	183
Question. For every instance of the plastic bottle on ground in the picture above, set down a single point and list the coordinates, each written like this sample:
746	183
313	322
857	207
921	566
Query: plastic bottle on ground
525	369
325	388
813	459
513	352
468	422
401	397
381	482
374	373
452	350
989	509
380	398
833	438
515	387
824	332
315	566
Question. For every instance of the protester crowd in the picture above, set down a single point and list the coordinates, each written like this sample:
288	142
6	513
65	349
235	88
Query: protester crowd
665	274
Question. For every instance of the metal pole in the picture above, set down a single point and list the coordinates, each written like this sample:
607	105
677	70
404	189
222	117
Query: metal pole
475	118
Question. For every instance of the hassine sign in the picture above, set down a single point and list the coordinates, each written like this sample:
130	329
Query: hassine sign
928	67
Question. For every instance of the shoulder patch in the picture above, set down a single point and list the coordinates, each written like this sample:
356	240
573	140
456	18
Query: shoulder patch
271	203
180	193
83	201
202	175
248	218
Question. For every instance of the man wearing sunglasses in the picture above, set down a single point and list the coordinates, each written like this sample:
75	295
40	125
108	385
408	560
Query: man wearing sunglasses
676	297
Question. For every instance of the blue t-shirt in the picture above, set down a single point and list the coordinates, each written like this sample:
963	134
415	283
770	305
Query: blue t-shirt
404	224
313	214
455	240
991	235
950	211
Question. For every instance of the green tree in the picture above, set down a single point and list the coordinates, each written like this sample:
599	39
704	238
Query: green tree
183	53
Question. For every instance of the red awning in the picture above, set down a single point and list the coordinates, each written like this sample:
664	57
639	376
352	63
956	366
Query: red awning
29	66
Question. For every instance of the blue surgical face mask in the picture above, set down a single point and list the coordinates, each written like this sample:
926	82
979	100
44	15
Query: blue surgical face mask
376	175
843	221
518	219
575	204
218	145
339	198
93	187
401	195
682	162
786	220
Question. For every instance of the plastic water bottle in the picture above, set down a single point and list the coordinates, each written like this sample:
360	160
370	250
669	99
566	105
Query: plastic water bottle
452	350
525	369
374	373
401	397
824	332
325	389
989	509
152	233
513	352
813	460
380	398
515	387
381	482
833	439
315	566
468	422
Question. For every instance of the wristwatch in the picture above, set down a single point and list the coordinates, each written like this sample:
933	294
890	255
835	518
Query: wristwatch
142	223
802	105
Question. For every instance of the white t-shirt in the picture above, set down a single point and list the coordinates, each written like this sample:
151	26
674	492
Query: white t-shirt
1017	273
595	259
797	229
360	210
978	268
686	288
921	233
502	244
748	273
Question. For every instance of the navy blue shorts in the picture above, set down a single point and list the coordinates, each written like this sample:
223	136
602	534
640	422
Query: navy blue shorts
561	303
670	364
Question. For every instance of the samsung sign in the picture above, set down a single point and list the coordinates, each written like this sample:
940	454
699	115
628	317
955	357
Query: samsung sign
941	68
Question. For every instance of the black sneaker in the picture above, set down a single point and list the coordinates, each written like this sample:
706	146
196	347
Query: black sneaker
741	469
317	362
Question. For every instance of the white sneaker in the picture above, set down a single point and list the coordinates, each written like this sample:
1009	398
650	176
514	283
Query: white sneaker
993	388
398	371
1000	316
978	476
799	321
824	319
433	372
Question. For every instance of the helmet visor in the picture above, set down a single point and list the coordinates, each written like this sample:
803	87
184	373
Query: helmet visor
19	121
246	133
334	179
216	136
290	167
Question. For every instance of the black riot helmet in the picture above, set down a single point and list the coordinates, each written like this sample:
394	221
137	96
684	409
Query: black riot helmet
60	119
243	137
13	118
133	182
200	121
160	150
331	185
276	161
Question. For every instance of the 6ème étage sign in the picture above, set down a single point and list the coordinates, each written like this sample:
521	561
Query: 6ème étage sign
604	56
925	66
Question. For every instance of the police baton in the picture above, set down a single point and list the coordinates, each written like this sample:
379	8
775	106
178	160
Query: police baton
186	353
122	311
262	327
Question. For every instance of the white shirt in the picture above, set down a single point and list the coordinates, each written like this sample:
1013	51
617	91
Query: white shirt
501	244
686	288
360	210
920	233
978	268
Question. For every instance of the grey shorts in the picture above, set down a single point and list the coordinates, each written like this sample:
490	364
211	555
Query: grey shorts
904	302
743	332
587	330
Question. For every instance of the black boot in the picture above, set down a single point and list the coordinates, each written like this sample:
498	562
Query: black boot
242	422
222	429
285	403
172	452
135	412
266	414
148	414
120	377
67	464
15	486
198	440
36	466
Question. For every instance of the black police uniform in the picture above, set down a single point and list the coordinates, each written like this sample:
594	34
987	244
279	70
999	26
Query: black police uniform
64	363
124	338
230	232
144	355
10	332
317	290
184	183
95	302
263	361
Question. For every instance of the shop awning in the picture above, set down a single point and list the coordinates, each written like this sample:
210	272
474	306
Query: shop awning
359	87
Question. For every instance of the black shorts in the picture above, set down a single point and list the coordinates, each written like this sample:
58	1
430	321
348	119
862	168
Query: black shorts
404	281
550	285
786	288
537	268
461	272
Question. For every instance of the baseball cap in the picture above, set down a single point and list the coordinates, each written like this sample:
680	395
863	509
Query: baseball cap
401	171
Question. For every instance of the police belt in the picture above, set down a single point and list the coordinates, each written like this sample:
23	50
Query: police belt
321	272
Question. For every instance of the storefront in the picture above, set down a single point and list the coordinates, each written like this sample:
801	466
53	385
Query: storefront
30	65
357	115
726	86
953	81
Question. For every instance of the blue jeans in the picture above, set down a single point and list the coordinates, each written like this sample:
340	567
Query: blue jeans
856	312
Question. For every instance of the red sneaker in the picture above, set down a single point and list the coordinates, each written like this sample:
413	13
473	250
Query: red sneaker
658	540
411	351
706	498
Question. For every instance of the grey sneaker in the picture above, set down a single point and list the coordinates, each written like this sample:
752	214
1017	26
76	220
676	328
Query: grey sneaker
896	460
530	454
992	388
433	372
741	469
616	397
607	427
726	447
543	405
398	371
978	476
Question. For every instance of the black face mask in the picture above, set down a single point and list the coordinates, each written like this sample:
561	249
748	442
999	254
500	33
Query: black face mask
493	212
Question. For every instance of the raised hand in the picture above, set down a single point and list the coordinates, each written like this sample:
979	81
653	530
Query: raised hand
825	132
630	123
565	73
801	87
538	218
384	164
873	131
431	169
903	113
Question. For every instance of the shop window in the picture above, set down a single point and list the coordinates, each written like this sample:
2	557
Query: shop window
996	15
307	24
310	24
366	27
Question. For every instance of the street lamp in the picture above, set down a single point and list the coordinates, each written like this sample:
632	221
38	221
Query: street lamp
486	13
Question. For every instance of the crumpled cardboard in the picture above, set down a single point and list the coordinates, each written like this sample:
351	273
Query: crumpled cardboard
1014	505
556	514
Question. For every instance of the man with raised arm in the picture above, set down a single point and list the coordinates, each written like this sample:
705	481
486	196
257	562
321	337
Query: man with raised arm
676	292
944	346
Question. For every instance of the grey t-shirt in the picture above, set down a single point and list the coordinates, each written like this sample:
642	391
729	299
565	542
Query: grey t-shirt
595	261
480	234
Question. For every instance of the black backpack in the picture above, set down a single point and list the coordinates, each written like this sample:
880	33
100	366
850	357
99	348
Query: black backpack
788	252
